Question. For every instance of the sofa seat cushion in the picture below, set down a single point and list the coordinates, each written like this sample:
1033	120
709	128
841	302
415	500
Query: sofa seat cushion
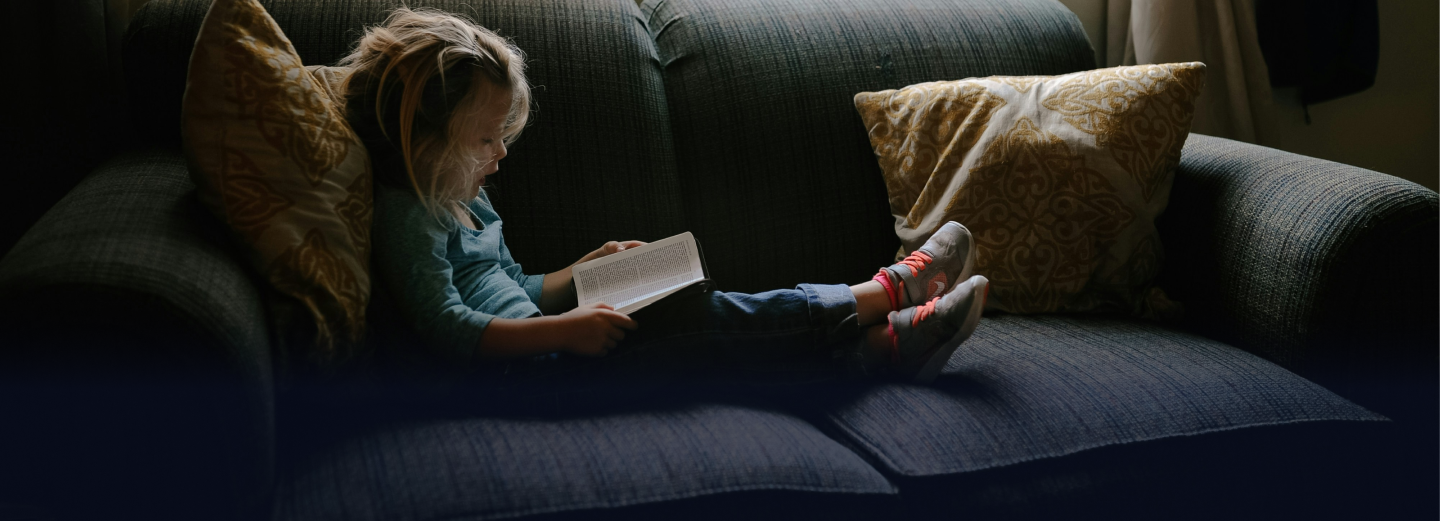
1033	387
626	464
1043	413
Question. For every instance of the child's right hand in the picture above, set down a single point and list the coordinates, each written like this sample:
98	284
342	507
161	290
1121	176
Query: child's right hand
593	330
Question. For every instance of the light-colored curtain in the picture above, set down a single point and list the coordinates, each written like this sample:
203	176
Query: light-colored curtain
1220	33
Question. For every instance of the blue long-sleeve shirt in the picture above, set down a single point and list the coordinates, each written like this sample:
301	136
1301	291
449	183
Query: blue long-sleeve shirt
448	280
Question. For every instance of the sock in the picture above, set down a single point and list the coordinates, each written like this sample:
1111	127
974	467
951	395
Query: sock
884	280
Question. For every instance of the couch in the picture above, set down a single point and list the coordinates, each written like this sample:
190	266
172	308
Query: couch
144	375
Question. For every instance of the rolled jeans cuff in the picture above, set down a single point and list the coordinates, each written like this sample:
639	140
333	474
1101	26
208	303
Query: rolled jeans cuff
833	312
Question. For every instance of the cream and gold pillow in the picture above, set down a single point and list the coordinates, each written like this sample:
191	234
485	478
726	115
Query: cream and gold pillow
275	160
1059	178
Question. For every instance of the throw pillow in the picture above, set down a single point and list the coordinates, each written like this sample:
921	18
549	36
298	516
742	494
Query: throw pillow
273	157
1059	178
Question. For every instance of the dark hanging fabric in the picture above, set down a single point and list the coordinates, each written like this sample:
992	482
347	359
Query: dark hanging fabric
1326	48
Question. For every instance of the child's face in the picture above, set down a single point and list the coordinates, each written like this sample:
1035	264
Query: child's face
483	138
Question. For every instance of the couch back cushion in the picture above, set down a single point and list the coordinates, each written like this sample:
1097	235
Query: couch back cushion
778	178
595	163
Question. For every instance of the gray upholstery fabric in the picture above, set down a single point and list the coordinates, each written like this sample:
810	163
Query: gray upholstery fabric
130	288
503	468
596	162
779	179
1269	250
134	225
1027	388
1295	258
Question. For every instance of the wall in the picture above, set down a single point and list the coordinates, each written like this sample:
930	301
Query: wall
1393	127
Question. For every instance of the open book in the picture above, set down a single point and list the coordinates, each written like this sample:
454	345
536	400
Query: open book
635	278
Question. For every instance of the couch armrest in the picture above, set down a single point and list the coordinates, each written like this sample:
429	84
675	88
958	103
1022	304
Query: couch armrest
136	368
1301	260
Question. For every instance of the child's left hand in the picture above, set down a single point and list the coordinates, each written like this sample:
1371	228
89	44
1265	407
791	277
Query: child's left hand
610	248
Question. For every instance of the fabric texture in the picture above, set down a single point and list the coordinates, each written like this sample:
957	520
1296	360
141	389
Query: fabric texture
599	133
128	288
449	280
329	79
274	159
1058	178
599	161
503	468
759	95
1027	388
1300	259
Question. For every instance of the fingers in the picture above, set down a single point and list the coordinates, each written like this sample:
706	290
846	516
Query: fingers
598	328
613	247
615	318
621	320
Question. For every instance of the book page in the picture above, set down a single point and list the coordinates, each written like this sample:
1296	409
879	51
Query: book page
633	278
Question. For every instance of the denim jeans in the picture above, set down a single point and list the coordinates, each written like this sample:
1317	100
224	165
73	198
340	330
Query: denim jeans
807	334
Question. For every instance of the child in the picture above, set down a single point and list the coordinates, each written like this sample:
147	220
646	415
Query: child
436	99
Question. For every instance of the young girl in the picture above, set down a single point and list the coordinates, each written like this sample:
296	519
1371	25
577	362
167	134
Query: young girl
436	99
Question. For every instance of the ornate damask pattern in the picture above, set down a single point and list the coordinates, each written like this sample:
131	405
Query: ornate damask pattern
272	89
1040	216
317	277
1141	114
250	201
273	157
921	134
356	211
1059	178
1021	84
1124	287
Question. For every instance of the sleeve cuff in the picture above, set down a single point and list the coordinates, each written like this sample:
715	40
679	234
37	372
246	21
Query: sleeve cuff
467	336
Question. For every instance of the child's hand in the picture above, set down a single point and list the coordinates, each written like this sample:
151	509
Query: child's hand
609	248
593	330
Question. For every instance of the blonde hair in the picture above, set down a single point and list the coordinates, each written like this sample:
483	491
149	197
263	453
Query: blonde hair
409	77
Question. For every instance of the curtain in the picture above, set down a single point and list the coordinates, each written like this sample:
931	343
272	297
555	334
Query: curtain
1220	33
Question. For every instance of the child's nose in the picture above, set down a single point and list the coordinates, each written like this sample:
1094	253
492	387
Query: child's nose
500	154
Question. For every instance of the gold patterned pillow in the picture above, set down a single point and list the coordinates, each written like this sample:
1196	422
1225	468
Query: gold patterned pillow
272	157
1059	178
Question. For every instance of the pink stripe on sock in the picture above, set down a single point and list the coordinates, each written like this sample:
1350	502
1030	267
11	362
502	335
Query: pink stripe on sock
884	280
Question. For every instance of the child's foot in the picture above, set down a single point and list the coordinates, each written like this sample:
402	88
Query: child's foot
947	258
925	336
